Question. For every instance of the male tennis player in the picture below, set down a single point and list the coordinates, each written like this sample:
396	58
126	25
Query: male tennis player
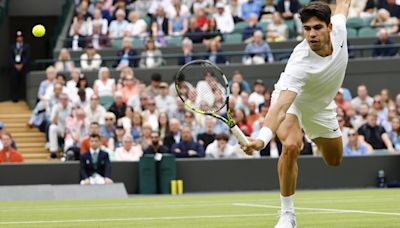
303	98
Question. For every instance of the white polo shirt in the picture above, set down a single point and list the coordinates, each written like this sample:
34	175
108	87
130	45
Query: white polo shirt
317	79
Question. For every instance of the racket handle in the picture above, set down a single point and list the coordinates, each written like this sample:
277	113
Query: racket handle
239	135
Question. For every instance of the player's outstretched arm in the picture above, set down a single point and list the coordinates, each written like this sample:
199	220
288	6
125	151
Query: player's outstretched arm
273	119
342	7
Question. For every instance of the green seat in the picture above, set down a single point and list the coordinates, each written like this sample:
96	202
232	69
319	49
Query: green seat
147	19
106	101
291	27
116	43
355	22
367	32
233	38
174	41
239	27
351	33
263	25
381	152
137	42
304	2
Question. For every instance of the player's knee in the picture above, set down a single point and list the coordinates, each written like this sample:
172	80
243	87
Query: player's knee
291	149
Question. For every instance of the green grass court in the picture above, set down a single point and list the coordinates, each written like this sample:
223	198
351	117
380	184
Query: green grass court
344	208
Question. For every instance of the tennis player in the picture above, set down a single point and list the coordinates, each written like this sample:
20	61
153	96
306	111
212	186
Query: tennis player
303	98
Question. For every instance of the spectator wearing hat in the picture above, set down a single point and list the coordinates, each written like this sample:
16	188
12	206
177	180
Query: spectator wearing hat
258	95
223	18
19	60
153	89
8	153
164	101
90	60
107	130
220	148
127	57
118	107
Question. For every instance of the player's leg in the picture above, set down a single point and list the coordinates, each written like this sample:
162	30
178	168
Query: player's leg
331	149
290	135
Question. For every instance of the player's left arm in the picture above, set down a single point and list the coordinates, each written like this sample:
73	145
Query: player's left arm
342	7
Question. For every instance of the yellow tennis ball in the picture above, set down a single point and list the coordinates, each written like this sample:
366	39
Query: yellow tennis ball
38	30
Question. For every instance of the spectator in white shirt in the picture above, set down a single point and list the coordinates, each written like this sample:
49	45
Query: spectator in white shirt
137	26
95	112
99	20
104	86
220	148
224	19
258	95
118	26
129	151
90	60
362	97
164	101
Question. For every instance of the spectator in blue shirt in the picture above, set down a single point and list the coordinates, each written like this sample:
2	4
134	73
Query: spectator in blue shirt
394	135
251	7
126	56
258	51
187	147
355	146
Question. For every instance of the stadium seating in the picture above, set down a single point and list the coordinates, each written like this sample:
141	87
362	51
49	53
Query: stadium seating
367	32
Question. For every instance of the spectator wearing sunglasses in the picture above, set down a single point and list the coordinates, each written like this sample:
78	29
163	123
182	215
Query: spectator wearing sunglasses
355	146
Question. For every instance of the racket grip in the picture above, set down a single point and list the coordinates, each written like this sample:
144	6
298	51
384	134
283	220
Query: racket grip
239	135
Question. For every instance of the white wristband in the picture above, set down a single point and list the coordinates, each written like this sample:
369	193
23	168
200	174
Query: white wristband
265	135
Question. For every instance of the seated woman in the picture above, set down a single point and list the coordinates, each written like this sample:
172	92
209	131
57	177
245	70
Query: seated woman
64	63
277	31
136	26
152	56
178	25
213	34
104	85
129	151
383	20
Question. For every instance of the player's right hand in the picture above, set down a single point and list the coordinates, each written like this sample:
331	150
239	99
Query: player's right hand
254	145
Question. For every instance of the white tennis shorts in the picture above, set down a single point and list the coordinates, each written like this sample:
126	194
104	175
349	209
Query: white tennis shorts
315	124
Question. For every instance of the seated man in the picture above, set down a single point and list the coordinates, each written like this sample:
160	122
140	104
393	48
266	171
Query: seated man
380	50
156	147
355	146
95	165
187	147
220	148
374	134
258	51
8	153
187	49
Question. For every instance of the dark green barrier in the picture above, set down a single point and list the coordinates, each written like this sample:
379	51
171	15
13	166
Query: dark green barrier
147	175
166	173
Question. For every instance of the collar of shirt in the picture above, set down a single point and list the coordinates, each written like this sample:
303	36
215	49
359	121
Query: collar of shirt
92	151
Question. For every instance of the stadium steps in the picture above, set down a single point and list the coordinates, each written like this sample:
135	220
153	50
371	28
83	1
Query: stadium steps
30	141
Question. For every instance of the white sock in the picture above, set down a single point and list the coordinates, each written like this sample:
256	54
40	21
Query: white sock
287	203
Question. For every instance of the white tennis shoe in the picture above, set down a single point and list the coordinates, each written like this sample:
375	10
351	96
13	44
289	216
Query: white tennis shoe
287	219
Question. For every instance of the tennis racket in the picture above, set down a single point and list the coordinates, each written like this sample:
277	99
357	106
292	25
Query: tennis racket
210	95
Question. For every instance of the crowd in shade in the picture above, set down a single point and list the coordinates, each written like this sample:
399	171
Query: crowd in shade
153	24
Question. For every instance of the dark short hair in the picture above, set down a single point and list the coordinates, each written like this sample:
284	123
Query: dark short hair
222	136
95	123
95	136
60	74
320	10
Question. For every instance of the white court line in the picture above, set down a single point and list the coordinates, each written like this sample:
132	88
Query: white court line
319	209
150	218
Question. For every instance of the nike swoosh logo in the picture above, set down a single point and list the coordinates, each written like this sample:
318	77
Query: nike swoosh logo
341	46
335	129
